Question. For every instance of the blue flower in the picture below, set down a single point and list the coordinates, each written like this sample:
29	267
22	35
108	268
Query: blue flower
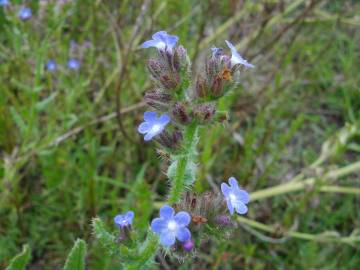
124	220
161	40
4	3
235	197
153	125
73	64
25	13
216	52
236	57
51	65
171	227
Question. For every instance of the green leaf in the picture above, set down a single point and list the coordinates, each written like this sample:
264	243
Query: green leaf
76	257
19	261
106	239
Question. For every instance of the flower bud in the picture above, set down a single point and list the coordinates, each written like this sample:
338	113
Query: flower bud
170	82
156	68
188	245
180	113
223	220
205	112
158	99
217	86
201	88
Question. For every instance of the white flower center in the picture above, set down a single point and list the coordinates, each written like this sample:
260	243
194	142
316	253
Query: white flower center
233	198
172	225
156	128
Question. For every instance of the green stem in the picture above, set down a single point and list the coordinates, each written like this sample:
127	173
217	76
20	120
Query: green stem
178	181
305	236
295	186
150	247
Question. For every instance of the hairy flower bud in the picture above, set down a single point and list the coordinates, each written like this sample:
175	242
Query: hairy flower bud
201	88
180	113
223	220
204	112
158	99
170	81
156	68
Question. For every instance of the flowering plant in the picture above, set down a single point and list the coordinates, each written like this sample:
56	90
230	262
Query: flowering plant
181	104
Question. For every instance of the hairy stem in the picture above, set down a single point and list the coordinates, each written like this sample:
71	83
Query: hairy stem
178	181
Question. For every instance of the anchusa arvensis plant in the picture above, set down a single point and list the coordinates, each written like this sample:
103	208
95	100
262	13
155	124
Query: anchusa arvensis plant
181	103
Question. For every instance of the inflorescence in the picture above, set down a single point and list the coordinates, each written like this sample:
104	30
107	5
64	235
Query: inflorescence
180	100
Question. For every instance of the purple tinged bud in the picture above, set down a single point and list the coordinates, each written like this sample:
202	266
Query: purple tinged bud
180	113
205	112
158	99
156	68
188	245
223	220
217	86
170	82
177	136
201	88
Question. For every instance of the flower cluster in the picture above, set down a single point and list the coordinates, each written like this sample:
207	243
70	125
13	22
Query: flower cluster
175	97
178	105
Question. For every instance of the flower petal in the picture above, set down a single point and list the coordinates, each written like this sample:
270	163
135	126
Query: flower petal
144	127
225	189
242	195
149	136
182	218
231	46
130	215
230	207
150	116
167	238
158	225
150	43
166	212
183	234
160	35
241	208
233	182
118	219
164	119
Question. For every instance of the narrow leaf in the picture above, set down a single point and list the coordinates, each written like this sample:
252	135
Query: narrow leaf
19	261
76	257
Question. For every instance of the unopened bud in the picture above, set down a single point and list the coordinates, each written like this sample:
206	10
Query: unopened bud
217	86
156	68
201	88
188	245
205	112
180	113
158	99
223	220
170	82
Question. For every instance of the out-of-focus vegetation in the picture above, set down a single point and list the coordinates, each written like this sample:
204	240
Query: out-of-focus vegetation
66	157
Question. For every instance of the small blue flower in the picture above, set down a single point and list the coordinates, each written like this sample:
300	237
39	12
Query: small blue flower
51	65
171	227
236	57
216	52
153	125
25	13
4	3
235	197
73	64
161	40
124	220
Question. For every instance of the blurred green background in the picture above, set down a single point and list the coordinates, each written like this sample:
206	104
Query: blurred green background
65	159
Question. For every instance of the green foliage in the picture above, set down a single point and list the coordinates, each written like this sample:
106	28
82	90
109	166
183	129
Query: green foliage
20	261
76	257
64	160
